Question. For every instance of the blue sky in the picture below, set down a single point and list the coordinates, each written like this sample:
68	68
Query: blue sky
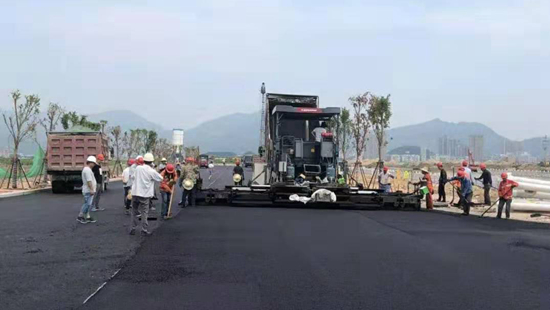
182	62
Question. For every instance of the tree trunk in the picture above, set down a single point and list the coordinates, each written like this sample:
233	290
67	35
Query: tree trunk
14	170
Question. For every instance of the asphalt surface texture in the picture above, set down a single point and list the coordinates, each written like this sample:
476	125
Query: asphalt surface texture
235	257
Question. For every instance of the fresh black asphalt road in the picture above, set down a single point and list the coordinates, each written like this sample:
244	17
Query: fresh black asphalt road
221	257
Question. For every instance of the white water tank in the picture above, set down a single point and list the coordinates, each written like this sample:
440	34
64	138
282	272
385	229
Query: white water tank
177	137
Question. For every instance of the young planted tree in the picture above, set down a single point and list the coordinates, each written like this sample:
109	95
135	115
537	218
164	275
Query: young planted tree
163	148
50	122
344	136
117	144
21	125
151	138
379	117
71	119
359	127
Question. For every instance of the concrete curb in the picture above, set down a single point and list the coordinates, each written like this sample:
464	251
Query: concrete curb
38	190
24	192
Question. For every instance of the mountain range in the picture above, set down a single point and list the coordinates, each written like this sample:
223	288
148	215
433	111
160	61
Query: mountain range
239	133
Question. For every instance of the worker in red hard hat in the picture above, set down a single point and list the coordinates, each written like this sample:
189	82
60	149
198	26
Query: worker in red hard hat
487	183
466	193
127	184
505	194
384	182
98	174
169	178
240	171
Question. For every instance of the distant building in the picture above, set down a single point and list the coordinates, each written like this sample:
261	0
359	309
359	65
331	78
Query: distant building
371	149
476	147
451	148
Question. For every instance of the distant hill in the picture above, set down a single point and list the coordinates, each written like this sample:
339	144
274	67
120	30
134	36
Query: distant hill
237	133
427	134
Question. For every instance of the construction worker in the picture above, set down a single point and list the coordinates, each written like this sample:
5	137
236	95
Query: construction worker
319	131
466	193
505	194
188	181
142	192
98	174
468	171
127	184
162	165
341	180
442	180
384	180
89	187
238	170
487	183
223	161
427	179
169	178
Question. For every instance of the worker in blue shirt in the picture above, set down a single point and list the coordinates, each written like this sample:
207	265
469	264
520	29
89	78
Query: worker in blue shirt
466	191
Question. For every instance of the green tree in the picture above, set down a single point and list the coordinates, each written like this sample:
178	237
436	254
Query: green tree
359	124
379	117
21	125
71	119
151	137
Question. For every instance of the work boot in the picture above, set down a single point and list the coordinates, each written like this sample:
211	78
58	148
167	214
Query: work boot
81	220
91	220
146	233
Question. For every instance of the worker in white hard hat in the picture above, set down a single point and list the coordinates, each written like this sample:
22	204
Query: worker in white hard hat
188	181
89	187
238	170
162	165
142	192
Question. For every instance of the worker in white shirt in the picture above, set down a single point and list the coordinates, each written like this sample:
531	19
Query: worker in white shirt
89	188
384	180
127	185
319	131
142	192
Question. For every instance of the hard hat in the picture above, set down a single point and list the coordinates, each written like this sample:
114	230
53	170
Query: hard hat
464	163
138	157
460	173
439	165
425	169
131	161
163	159
91	159
237	178
302	176
188	184
148	157
140	161
483	166
170	168
189	160
504	175
386	169
100	157
211	165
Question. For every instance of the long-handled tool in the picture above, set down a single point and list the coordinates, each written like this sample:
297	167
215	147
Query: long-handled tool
169	214
494	203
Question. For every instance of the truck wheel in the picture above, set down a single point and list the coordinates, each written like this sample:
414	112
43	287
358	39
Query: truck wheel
58	187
